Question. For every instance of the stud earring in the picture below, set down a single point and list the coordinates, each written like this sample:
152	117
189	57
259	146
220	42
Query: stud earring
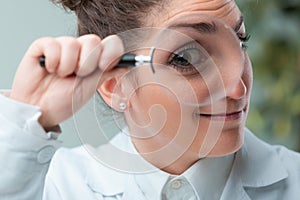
122	106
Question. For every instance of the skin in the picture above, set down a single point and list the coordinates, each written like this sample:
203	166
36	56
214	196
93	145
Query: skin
171	148
75	67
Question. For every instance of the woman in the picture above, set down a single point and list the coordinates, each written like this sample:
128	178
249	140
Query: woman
176	159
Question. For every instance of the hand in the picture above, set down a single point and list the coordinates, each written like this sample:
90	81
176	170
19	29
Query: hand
75	67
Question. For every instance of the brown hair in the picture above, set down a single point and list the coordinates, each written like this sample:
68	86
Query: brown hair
106	17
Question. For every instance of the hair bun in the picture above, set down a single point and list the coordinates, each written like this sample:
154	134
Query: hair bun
69	4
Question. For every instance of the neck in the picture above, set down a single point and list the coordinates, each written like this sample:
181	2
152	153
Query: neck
167	160
179	166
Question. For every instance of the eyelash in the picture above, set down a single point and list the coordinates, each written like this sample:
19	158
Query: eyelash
244	39
185	69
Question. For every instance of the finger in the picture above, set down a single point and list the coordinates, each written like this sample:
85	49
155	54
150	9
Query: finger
70	49
84	88
90	52
112	51
47	47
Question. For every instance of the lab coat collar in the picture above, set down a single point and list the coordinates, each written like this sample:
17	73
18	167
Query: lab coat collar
214	171
201	176
105	178
256	165
208	176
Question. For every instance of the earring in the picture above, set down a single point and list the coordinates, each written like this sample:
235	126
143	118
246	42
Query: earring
122	106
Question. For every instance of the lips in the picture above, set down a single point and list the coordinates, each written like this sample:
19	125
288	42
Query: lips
224	116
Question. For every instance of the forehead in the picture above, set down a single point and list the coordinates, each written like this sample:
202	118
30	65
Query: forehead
225	10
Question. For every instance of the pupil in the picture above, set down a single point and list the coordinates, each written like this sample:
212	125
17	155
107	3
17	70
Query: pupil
182	59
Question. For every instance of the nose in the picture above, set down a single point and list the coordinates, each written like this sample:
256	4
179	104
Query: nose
238	91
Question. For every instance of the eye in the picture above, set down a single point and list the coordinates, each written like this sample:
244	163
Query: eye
244	38
188	59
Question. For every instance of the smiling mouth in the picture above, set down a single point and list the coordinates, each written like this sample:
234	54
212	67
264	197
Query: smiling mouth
224	117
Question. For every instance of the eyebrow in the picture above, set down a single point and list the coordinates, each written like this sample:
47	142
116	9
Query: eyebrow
202	27
205	27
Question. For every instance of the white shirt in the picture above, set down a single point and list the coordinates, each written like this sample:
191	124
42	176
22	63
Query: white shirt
194	183
259	171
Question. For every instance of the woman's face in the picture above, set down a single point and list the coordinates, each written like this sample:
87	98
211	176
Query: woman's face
160	124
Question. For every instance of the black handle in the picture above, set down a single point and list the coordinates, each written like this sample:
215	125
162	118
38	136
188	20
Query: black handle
128	60
42	61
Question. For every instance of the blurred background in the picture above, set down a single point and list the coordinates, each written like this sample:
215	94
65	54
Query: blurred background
274	49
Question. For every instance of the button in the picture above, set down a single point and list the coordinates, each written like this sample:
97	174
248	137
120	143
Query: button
45	154
176	184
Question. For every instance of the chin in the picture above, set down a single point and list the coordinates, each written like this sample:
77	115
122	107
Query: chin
229	142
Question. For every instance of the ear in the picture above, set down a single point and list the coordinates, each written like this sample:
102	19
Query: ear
112	94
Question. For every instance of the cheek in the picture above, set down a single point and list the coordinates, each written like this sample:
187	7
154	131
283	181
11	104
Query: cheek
154	113
148	100
154	109
163	122
152	104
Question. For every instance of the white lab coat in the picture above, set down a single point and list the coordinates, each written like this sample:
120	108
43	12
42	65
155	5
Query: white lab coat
259	172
